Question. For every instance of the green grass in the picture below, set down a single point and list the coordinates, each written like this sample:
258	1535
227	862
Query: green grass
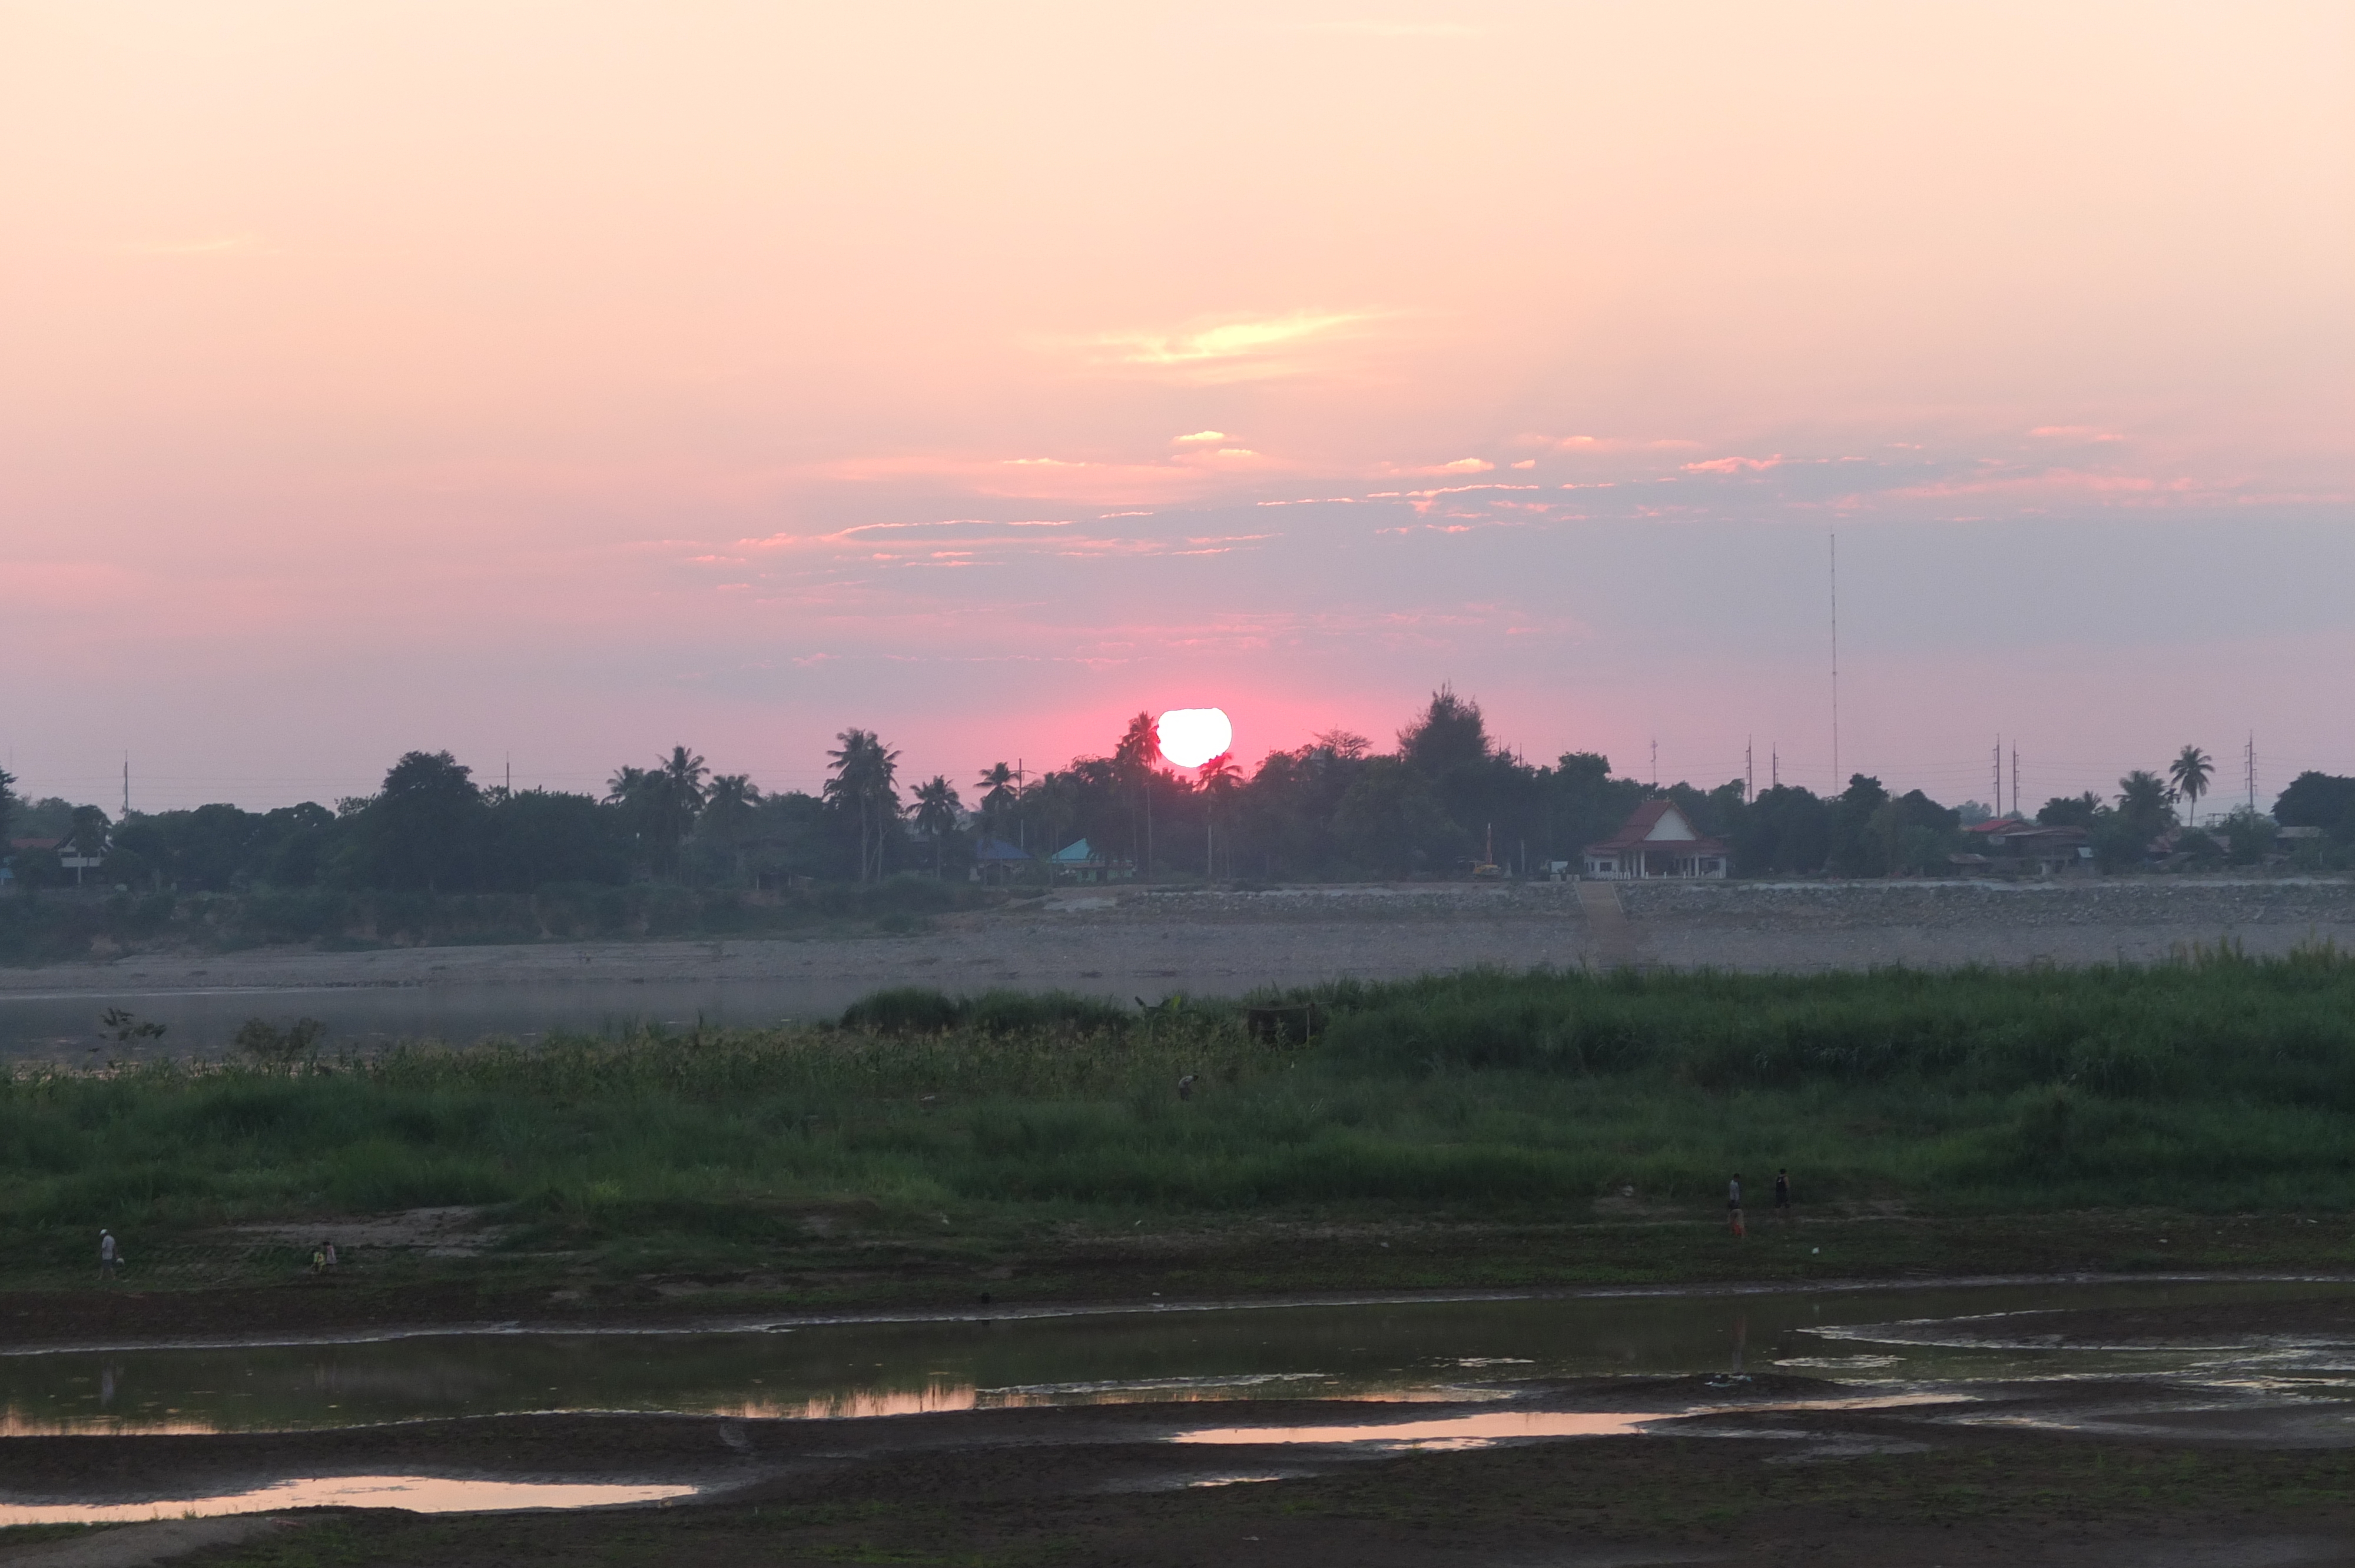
2219	1084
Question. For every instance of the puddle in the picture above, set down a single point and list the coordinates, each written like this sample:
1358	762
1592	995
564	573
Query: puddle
1445	1432
1942	1337
417	1494
1482	1428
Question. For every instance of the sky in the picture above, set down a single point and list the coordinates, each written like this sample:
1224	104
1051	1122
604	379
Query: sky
555	383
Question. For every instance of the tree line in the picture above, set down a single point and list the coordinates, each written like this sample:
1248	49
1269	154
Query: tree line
1444	798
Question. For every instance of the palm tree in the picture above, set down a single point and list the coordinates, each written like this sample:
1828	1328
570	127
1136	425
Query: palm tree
936	813
997	796
678	797
1140	743
2191	770
864	779
1221	778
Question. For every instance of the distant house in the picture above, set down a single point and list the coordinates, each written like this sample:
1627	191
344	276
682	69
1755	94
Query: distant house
2013	846
1659	840
1079	862
995	860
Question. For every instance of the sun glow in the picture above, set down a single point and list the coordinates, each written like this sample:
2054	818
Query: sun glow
1191	737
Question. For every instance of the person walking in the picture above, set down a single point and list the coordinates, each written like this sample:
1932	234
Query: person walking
1783	1195
1733	1205
108	1255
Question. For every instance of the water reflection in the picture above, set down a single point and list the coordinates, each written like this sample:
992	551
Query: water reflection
418	1494
1447	1432
1430	1349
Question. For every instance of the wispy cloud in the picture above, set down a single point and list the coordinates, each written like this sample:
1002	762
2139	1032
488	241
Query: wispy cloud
1736	465
1233	349
1591	444
1465	465
1202	436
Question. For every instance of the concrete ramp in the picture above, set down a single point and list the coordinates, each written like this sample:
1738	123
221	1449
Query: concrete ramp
1610	934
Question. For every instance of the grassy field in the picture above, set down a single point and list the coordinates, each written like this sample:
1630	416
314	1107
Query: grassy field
2217	1086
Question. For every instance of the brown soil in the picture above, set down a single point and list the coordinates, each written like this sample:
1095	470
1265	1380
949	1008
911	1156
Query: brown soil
1259	1260
1102	1485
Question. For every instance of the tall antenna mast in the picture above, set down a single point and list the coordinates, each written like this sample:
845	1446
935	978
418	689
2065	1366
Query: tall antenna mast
2249	758
126	783
1836	772
1996	807
1749	767
2015	778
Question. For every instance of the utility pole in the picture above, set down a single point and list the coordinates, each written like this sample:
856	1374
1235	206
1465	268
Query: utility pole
2249	761
1835	772
1655	762
126	783
1774	766
1021	828
2015	779
1749	767
1996	806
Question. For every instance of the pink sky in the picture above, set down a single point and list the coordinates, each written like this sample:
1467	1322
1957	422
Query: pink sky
562	382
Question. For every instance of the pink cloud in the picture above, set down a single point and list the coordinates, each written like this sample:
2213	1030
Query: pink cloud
1735	465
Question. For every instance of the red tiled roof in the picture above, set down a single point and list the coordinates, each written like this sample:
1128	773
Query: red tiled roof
1646	817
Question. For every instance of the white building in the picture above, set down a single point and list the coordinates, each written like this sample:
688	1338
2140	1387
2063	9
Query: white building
1658	840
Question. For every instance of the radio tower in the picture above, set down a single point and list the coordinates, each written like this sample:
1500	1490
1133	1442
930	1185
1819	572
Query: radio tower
2249	761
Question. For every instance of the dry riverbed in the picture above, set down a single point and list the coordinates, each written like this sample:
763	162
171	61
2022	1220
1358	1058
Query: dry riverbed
1224	942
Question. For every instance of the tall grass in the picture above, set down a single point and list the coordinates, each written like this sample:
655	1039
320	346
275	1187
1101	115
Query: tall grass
2217	1082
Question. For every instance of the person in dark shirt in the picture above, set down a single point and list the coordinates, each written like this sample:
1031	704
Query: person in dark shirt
1733	1205
1783	1195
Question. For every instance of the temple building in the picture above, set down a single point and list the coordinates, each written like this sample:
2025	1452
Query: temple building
1659	840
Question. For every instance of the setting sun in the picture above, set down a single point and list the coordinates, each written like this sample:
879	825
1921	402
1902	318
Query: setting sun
1191	737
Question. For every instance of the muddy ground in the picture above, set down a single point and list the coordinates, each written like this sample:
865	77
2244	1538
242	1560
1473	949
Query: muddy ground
1755	1478
381	1290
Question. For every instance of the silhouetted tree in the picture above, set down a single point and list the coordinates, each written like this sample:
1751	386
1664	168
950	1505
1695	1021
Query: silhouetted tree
2190	771
421	823
998	798
864	781
936	809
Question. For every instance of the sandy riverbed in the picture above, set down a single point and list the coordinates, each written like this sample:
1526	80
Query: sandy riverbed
1229	942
